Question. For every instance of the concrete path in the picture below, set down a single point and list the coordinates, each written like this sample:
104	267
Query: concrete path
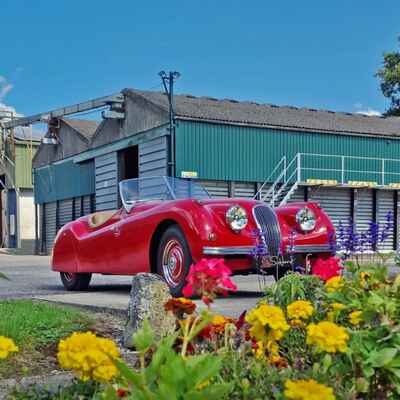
247	297
31	277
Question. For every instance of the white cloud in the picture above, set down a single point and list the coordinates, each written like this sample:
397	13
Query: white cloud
5	87
8	111
365	110
370	112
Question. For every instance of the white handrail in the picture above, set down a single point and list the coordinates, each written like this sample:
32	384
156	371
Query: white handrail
259	192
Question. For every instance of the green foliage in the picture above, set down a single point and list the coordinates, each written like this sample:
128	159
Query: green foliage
37	324
170	376
389	76
294	286
77	390
36	328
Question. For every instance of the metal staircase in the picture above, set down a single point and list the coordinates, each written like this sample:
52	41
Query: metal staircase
285	180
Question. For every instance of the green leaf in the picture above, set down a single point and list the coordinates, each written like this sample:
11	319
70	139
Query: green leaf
2	276
127	373
383	357
214	391
326	362
202	368
144	337
395	371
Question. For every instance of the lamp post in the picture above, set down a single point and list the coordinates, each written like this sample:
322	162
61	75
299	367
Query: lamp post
168	82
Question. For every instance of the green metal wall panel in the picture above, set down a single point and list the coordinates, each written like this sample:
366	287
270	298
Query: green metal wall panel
63	181
226	152
23	165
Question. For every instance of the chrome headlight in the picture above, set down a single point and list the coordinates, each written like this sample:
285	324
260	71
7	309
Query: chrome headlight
306	219
236	217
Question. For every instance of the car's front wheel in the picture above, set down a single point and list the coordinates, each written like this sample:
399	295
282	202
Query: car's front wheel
73	281
174	259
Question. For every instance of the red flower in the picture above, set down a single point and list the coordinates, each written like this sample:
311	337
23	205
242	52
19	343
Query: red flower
327	267
122	392
208	278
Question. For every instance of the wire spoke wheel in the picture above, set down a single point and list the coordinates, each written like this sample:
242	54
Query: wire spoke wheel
173	259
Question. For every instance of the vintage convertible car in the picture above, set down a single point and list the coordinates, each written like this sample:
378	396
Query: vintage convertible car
166	224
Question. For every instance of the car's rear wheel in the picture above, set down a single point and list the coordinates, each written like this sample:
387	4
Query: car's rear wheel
174	259
73	281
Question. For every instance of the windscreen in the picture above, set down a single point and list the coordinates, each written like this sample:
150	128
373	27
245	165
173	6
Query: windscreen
160	188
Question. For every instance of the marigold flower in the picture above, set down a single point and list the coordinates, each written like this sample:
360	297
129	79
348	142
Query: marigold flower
89	356
207	279
338	306
364	276
266	317
327	336
217	326
180	306
7	346
300	309
355	317
307	390
334	284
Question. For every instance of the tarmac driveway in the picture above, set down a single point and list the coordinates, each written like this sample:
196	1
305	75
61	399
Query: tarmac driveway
31	276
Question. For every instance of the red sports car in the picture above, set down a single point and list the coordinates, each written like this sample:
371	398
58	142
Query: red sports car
166	224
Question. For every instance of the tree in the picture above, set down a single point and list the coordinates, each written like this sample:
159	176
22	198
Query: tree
389	76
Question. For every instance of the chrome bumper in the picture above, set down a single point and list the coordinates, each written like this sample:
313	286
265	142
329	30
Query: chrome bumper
228	251
248	250
305	248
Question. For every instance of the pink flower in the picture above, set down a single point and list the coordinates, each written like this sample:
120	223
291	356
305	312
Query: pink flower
207	278
327	267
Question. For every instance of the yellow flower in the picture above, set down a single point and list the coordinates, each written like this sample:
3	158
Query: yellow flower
364	276
300	309
338	306
333	284
355	317
307	390
267	318
7	346
90	356
327	336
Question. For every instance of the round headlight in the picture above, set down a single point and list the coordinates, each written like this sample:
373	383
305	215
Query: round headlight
306	219
236	217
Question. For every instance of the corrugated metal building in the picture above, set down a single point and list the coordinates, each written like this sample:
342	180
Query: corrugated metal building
17	210
350	163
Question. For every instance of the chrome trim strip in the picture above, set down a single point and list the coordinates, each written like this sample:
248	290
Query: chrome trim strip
305	248
228	251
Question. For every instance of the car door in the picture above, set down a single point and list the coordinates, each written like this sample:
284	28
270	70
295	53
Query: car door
132	235
94	247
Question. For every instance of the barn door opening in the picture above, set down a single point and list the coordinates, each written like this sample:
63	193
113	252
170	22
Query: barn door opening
128	165
128	160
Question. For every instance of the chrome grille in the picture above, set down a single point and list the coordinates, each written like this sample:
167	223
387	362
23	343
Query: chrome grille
268	223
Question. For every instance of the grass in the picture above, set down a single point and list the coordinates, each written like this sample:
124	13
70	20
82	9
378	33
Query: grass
36	328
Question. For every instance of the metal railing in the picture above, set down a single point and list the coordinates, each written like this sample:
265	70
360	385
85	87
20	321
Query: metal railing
339	168
343	169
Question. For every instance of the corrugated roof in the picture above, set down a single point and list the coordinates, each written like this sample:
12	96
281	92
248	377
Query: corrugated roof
85	127
251	113
28	133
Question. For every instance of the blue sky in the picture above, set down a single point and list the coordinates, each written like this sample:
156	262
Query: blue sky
315	54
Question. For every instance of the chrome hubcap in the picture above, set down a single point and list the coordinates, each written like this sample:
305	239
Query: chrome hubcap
173	263
68	276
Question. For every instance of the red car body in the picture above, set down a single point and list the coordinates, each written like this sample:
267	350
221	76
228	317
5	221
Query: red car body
128	242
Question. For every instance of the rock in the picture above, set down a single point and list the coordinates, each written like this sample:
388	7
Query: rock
148	295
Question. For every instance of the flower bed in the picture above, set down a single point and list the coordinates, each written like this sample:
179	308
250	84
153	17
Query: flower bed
307	339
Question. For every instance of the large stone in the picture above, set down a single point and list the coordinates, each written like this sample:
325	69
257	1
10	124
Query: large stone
148	296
